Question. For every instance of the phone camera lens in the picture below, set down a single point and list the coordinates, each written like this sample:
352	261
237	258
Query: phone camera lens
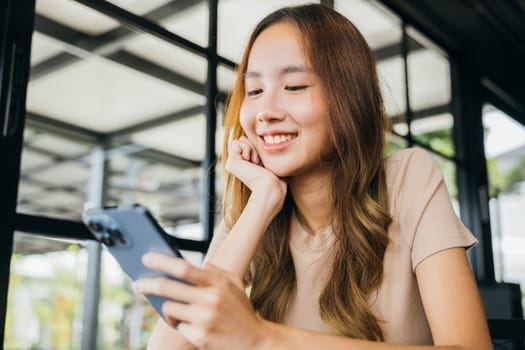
96	226
107	240
115	233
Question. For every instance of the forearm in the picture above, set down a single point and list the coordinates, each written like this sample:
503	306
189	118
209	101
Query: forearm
163	335
281	337
237	250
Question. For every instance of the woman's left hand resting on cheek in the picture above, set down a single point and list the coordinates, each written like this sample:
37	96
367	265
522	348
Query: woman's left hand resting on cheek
212	313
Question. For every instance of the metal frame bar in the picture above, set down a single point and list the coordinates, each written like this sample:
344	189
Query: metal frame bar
142	65
472	174
68	229
396	49
16	29
63	129
497	97
142	24
507	329
153	123
328	3
408	109
210	158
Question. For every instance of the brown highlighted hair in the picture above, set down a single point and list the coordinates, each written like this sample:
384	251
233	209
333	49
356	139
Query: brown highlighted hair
346	66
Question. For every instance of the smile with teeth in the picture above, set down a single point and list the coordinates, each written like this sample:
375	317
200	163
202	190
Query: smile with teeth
278	138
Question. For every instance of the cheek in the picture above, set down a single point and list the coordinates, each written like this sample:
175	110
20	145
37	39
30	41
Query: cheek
246	119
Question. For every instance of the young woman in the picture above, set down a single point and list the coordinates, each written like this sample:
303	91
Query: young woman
341	248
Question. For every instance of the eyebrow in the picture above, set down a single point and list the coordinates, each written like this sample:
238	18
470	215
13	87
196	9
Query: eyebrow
283	71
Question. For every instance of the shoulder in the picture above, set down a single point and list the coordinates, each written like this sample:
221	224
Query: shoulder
409	159
411	174
414	165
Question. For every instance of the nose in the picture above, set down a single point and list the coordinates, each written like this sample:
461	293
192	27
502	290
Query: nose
271	106
270	115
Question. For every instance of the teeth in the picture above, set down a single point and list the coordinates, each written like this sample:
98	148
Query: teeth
278	138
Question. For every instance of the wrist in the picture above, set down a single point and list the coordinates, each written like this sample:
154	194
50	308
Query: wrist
273	187
272	194
267	204
268	337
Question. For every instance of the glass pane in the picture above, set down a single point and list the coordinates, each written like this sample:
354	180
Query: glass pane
505	153
190	22
43	47
46	287
394	143
237	18
188	19
106	95
430	94
435	132
391	80
174	138
171	57
380	27
172	193
134	91
428	74
74	15
225	78
54	175
126	319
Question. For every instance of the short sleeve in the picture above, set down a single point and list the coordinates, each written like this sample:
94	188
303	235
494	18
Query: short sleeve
427	218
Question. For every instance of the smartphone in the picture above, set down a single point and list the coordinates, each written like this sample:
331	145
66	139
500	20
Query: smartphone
128	232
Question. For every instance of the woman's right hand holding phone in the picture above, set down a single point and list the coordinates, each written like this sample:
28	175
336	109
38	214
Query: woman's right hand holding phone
232	254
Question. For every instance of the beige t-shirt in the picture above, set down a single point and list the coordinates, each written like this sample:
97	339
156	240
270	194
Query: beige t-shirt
424	223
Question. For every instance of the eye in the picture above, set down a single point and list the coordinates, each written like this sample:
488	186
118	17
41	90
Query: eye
296	87
254	92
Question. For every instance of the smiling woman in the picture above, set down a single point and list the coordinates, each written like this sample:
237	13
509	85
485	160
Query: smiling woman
341	246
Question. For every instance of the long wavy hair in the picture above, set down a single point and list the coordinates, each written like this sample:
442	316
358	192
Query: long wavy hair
360	215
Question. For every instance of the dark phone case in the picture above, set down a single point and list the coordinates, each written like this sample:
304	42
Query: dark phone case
141	234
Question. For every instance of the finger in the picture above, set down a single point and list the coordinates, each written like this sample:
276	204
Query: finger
244	139
179	268
245	151
192	333
217	271
174	312
255	157
235	148
240	147
166	287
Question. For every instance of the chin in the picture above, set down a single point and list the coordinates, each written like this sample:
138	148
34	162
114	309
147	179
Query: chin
279	171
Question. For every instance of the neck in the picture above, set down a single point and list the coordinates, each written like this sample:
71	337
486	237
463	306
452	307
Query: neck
312	197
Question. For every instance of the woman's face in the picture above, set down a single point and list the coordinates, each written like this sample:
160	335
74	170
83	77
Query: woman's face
284	113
